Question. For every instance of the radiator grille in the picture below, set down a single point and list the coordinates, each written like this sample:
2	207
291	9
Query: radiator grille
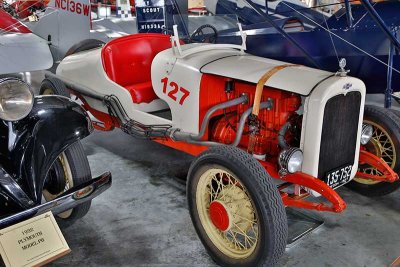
339	132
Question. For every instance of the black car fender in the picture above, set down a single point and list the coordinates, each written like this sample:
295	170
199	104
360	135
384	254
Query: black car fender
35	142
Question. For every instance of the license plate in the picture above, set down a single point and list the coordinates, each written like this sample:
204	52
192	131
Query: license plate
339	176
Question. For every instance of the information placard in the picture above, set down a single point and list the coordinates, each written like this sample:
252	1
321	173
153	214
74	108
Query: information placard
32	242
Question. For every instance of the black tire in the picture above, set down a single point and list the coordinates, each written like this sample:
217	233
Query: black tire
52	86
84	46
395	112
390	122
80	173
264	197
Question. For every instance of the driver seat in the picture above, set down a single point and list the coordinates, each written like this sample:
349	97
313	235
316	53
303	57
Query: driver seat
127	62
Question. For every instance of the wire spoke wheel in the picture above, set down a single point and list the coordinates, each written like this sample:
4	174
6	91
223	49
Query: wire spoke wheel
236	208
227	214
384	143
381	145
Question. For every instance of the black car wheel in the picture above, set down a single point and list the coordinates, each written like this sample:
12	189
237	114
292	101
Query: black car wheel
70	169
236	208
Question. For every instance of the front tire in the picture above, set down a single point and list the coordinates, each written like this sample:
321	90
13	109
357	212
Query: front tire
385	143
236	208
395	112
70	169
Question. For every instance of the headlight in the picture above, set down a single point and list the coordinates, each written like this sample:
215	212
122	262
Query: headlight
291	159
16	99
366	133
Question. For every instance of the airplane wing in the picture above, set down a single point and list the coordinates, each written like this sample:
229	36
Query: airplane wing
23	52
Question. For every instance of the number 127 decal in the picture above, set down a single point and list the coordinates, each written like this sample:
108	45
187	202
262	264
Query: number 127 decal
173	89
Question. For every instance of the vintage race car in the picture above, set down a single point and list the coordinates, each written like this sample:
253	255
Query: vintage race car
265	134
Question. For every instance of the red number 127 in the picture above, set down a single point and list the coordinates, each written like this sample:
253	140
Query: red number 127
174	88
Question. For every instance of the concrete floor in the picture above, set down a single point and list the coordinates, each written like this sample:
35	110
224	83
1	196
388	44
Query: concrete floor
143	219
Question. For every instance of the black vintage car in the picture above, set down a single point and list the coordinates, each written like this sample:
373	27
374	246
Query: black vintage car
42	163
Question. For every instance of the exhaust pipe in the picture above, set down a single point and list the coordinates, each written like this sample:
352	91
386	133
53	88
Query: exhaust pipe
68	200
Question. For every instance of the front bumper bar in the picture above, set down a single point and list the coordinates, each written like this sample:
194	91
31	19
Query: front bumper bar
337	204
305	180
68	200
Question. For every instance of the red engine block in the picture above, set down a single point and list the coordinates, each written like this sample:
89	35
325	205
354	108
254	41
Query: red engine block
223	127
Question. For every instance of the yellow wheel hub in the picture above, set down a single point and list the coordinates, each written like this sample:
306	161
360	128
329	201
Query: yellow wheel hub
226	213
381	145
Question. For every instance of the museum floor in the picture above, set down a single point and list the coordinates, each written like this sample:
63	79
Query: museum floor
143	219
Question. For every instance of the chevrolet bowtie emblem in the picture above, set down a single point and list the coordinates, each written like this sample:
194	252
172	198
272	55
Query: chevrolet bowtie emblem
347	86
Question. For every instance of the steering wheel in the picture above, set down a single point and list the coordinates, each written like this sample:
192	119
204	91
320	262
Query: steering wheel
201	36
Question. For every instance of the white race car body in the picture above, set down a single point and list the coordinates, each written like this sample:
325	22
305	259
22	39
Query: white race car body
228	62
87	68
246	118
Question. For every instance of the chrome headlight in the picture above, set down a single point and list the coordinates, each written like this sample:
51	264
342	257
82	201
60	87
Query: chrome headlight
366	133
291	159
16	99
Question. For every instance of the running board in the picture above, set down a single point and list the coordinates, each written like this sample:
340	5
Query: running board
68	200
301	223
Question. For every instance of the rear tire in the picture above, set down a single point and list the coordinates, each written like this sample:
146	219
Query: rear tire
385	143
70	169
53	86
84	46
228	177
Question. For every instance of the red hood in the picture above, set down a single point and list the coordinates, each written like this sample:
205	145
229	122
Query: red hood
10	24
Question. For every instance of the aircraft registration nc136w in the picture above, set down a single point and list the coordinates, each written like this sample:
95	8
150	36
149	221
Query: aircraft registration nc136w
73	6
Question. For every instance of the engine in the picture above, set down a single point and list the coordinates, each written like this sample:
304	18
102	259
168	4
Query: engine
322	128
270	121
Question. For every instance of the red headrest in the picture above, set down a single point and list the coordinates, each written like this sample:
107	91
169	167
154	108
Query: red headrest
127	60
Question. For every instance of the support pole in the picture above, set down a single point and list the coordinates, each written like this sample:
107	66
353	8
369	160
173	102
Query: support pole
349	15
381	23
389	89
